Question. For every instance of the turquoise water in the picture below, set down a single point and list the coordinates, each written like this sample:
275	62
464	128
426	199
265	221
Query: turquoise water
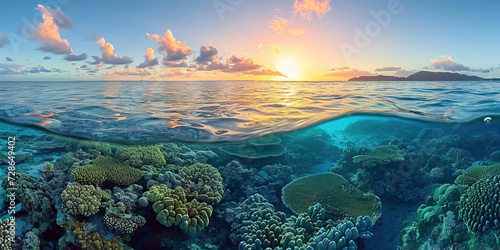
228	157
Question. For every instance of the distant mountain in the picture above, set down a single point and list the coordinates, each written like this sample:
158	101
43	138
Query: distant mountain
423	76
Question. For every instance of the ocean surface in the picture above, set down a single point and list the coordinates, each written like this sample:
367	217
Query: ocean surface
250	165
144	112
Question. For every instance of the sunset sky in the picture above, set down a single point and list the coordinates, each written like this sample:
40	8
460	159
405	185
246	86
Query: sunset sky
304	40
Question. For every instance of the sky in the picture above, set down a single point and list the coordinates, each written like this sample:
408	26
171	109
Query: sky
283	40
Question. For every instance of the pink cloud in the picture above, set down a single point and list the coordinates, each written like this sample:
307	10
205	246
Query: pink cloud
48	33
241	64
174	50
307	8
207	54
265	72
281	27
129	72
448	64
389	68
149	59
108	55
348	72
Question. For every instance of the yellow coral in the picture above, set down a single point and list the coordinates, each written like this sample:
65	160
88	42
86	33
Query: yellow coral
81	199
93	241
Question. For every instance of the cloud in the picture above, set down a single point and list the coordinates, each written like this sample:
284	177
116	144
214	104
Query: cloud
207	54
8	59
149	59
46	58
92	36
75	57
48	33
10	69
170	64
60	19
108	56
129	72
272	48
213	66
448	64
486	70
281	27
265	72
41	69
3	40
83	66
307	8
97	60
240	64
173	49
384	68
348	72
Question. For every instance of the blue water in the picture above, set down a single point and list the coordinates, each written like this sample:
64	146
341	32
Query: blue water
142	112
438	129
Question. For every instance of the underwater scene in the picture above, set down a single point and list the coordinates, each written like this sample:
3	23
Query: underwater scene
383	179
250	125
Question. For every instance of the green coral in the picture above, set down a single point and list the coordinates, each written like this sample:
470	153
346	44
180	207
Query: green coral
81	199
480	205
5	230
138	156
200	173
379	156
473	174
173	208
264	229
89	146
107	169
93	241
336	195
256	148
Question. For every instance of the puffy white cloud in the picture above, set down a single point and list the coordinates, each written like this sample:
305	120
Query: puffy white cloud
174	50
108	55
307	8
448	64
48	33
149	59
281	27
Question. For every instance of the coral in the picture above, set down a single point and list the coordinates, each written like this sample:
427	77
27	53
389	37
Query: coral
143	202
204	183
342	236
262	230
107	169
473	174
379	156
256	148
339	198
173	208
32	240
5	229
81	199
138	156
495	156
236	175
126	225
93	241
121	202
480	206
93	146
168	178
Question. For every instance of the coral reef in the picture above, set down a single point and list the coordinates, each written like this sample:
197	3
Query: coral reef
121	202
173	208
474	174
80	199
204	183
107	169
343	235
93	241
339	198
480	206
126	225
379	156
5	229
138	156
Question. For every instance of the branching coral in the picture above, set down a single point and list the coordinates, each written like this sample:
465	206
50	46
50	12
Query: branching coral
81	199
139	156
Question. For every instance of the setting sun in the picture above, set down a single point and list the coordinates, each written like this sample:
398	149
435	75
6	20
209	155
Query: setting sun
290	68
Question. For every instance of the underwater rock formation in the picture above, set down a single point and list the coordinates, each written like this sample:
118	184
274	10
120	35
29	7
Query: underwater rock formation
107	169
336	195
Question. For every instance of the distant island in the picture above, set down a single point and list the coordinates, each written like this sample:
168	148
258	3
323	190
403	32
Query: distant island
424	76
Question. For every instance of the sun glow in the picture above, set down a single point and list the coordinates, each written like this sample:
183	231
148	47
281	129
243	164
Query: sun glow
290	68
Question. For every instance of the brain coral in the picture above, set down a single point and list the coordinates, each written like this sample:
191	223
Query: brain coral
107	169
336	195
173	208
208	178
480	205
139	156
81	199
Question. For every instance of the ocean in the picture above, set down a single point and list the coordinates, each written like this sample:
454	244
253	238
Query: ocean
250	165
